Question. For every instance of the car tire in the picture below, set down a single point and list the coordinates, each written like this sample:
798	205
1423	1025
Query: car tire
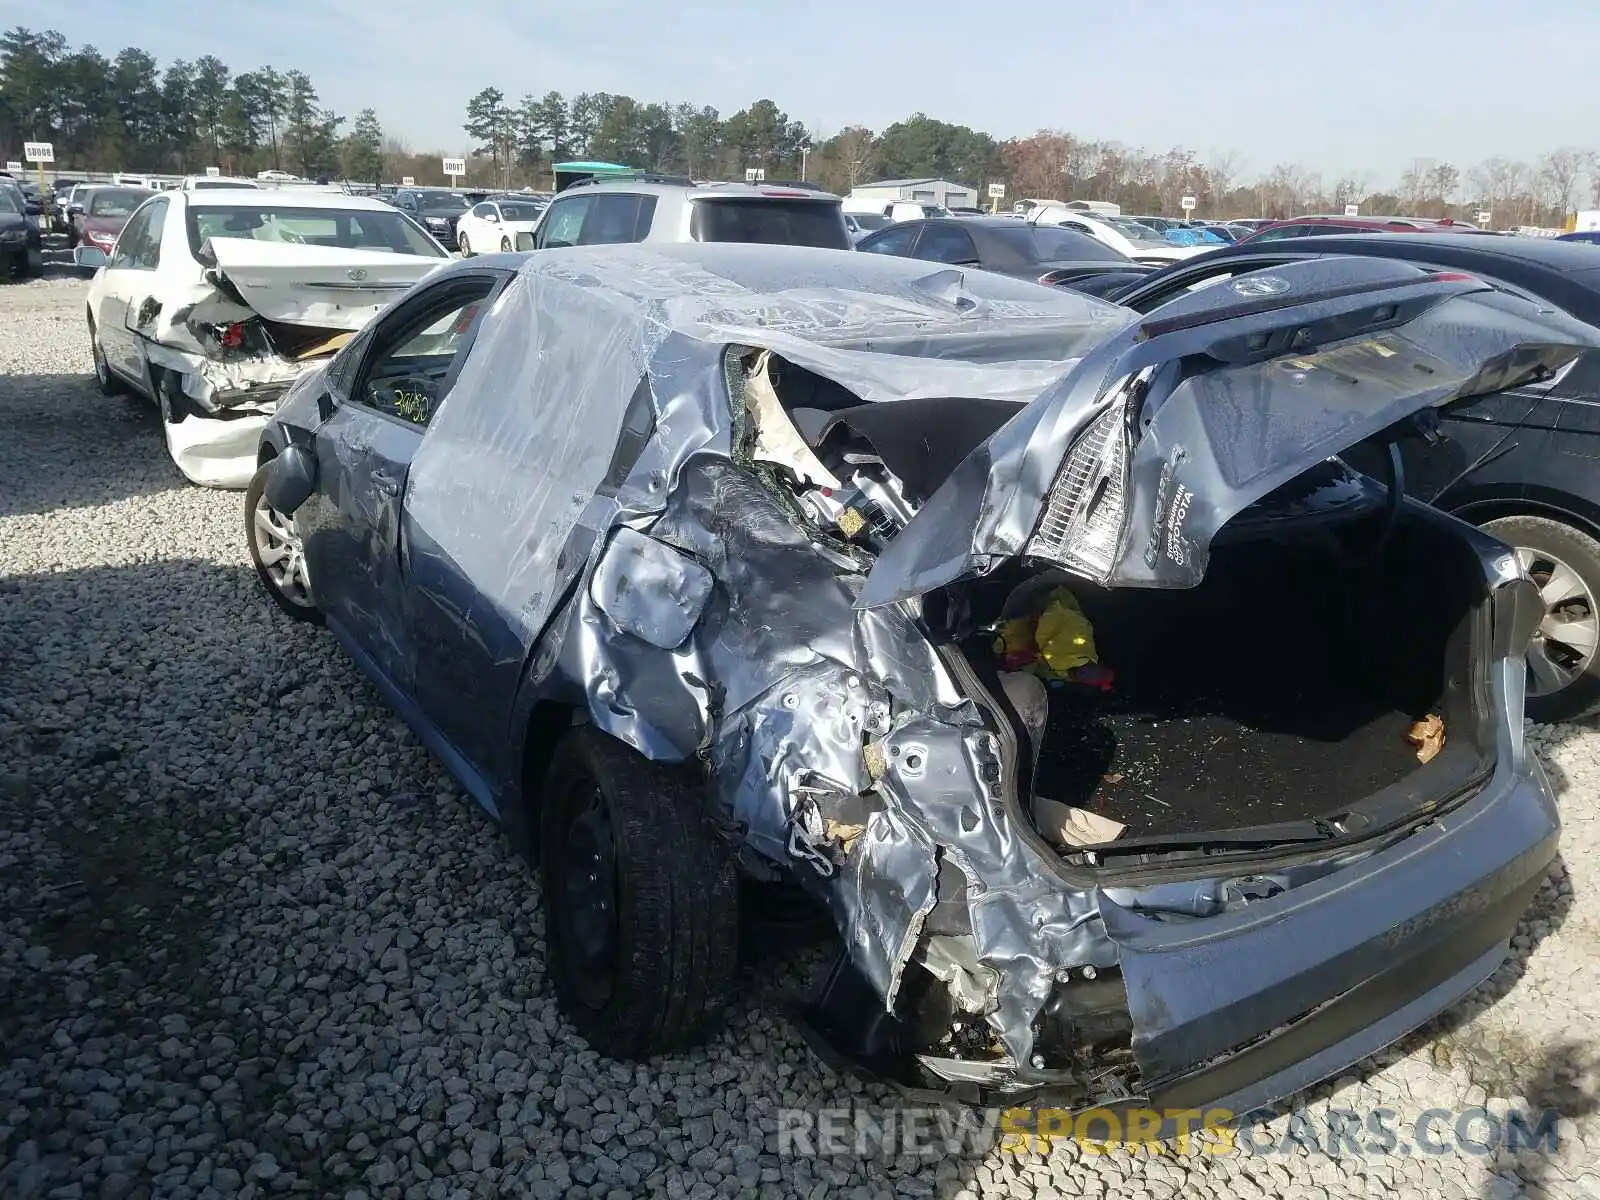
641	899
105	379
465	246
505	245
172	402
1563	661
264	528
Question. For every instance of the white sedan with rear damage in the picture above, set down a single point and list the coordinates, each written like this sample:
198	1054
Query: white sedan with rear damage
212	303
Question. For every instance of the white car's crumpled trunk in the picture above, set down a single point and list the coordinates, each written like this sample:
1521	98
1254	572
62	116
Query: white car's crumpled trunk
314	294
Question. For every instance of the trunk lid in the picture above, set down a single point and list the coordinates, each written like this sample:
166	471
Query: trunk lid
1125	470
325	287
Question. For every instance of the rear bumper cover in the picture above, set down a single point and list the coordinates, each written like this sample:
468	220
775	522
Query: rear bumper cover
1243	1010
1255	1004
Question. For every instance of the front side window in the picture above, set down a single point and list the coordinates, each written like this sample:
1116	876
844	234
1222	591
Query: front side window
563	224
413	366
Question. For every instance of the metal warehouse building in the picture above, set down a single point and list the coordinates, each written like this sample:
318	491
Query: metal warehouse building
920	191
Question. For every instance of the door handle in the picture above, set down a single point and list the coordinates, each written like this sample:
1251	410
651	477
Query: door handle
385	485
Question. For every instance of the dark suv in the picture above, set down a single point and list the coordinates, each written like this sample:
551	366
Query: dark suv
436	209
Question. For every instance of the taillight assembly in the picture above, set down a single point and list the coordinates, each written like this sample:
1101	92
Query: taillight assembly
1083	516
229	336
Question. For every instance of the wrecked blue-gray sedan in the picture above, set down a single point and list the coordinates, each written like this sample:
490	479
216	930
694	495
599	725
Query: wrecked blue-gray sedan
1140	749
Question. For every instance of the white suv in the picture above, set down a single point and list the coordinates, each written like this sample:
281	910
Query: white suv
656	208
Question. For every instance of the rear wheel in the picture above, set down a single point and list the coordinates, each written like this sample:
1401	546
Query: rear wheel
277	552
466	246
1563	666
505	245
641	900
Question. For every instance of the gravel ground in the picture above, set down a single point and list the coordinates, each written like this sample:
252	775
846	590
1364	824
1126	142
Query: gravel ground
253	941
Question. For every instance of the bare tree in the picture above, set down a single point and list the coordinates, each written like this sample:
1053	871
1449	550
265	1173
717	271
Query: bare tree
1560	172
1222	171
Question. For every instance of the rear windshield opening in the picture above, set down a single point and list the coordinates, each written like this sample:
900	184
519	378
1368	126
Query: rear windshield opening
343	229
772	222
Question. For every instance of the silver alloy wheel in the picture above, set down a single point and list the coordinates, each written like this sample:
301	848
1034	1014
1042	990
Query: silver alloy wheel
1565	644
282	554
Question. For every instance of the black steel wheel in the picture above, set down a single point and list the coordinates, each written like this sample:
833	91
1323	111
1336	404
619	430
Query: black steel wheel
641	899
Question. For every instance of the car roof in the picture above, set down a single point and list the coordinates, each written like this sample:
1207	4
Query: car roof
1549	253
741	191
280	198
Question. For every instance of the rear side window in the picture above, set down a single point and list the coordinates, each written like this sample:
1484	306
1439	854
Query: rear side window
617	217
1065	245
774	222
947	244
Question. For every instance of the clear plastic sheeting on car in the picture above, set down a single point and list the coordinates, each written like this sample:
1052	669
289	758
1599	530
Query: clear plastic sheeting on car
597	415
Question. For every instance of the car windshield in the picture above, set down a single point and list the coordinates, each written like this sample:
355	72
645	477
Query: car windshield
871	220
774	222
118	203
8	202
218	184
442	202
344	229
520	210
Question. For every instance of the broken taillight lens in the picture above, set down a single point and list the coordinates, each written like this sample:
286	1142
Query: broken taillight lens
1083	516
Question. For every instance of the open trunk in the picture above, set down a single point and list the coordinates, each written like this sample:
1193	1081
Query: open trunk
1281	689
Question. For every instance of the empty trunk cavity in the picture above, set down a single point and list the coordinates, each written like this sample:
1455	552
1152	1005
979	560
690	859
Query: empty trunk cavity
1283	689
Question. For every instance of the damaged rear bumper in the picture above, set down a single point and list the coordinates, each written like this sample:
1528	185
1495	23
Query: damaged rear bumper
1267	1001
1241	1010
230	403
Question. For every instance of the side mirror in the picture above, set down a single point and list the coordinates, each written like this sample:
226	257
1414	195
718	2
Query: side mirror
524	241
88	256
292	480
492	218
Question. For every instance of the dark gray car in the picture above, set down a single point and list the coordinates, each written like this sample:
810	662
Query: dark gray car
1044	645
1006	246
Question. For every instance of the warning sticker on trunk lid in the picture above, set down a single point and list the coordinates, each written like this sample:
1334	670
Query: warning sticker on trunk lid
1172	506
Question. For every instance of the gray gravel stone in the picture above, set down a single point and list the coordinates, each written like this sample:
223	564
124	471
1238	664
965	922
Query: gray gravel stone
254	942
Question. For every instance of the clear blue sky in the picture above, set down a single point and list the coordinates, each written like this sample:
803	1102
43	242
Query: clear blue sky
1336	87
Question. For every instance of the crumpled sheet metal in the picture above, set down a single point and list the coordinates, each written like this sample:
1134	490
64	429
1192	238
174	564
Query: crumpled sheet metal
216	453
648	589
781	684
1222	439
211	451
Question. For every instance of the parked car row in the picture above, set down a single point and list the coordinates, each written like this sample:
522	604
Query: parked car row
1514	465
